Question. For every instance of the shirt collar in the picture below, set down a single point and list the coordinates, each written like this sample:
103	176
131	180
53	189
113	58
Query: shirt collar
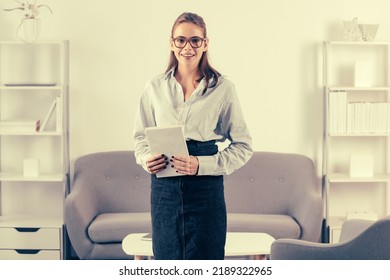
170	73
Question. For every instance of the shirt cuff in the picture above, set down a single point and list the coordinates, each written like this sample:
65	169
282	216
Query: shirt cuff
206	165
143	162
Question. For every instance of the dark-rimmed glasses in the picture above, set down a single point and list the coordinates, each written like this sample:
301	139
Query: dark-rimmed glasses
195	42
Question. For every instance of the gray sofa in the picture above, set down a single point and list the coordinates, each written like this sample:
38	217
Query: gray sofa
274	193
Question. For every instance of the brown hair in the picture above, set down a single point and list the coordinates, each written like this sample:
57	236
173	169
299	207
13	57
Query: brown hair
205	68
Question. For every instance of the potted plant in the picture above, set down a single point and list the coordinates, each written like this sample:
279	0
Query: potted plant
28	28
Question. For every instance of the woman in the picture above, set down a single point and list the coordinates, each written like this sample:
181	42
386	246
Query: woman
188	212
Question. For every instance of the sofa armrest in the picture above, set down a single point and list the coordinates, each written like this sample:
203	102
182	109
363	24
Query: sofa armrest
307	209
81	207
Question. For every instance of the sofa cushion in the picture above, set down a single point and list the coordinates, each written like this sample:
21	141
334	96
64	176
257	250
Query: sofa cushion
277	226
114	227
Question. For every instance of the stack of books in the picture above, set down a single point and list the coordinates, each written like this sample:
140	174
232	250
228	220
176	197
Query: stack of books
357	117
368	117
338	112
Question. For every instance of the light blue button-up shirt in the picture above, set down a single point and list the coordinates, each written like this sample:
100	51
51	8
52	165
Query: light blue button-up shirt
214	115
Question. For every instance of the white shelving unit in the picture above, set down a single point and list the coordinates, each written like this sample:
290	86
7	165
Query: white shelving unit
364	195
33	77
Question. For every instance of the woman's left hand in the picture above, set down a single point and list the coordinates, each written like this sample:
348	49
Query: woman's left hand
185	165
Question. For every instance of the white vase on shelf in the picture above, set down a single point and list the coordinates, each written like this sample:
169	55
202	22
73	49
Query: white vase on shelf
351	30
28	29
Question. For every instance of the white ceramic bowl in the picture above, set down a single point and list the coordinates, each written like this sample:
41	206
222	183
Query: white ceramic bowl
368	31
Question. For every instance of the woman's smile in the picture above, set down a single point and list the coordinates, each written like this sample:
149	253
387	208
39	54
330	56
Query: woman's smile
188	55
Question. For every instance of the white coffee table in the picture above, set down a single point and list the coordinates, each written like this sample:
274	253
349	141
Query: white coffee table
237	244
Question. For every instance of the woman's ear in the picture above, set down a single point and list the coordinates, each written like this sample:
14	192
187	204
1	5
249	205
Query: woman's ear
171	45
206	44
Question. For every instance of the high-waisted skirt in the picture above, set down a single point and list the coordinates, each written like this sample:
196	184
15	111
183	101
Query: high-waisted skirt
189	213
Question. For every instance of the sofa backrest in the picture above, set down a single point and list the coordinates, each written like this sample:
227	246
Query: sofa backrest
270	183
119	182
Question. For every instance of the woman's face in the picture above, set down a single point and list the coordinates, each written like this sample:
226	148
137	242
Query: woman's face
188	35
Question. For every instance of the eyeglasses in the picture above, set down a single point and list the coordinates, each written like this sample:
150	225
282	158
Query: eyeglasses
181	42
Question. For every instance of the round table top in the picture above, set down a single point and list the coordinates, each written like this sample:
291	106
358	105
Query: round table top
237	244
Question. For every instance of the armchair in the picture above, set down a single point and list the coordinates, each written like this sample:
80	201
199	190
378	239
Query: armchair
359	240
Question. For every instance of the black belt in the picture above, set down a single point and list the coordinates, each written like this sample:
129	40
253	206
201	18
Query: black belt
197	148
199	144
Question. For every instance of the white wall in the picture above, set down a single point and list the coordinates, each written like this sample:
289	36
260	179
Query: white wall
271	50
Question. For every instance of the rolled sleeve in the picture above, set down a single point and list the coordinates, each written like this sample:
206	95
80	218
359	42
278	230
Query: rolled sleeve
207	165
234	128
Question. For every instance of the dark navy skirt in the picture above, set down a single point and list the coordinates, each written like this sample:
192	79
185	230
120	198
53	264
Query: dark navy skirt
189	213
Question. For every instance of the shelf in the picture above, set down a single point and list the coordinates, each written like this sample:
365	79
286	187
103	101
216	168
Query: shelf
358	43
38	42
28	88
345	178
352	88
355	120
33	76
43	133
17	177
30	221
358	134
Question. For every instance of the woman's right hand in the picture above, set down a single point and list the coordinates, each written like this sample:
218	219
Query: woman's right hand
157	163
